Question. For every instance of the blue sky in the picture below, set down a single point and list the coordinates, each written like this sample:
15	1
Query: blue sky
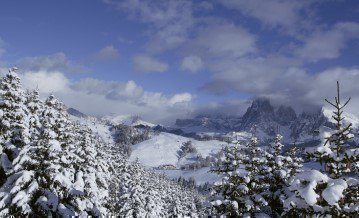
165	59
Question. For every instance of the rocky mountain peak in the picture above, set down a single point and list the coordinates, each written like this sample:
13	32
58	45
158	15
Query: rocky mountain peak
76	113
261	105
285	115
268	119
260	111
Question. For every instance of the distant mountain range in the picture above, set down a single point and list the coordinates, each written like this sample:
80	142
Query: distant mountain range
268	120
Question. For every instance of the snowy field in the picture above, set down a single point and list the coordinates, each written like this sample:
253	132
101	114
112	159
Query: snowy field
163	149
201	176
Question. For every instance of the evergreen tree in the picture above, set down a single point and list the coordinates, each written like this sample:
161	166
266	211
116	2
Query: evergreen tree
62	168
241	191
91	171
224	192
35	107
334	193
132	200
48	178
280	170
333	157
43	166
14	132
295	164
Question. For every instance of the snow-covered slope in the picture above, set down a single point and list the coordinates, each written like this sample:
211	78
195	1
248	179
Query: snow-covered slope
348	117
163	149
126	120
201	176
100	128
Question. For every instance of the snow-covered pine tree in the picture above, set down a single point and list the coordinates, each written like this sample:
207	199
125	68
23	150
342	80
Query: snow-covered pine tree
41	181
296	162
333	157
133	196
276	146
280	169
35	107
332	194
119	176
224	193
143	193
180	201
48	178
92	171
65	169
255	166
241	191
14	132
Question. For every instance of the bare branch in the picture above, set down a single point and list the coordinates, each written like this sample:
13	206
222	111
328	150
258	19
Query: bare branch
346	103
330	103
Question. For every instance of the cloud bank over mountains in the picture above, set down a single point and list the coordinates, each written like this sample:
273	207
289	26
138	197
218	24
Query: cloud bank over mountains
99	97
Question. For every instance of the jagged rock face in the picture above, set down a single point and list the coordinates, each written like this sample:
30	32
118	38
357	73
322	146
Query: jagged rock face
260	112
308	123
266	118
210	122
285	115
188	122
76	113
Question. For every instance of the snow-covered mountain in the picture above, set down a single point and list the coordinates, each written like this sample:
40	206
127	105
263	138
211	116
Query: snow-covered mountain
128	120
299	128
268	120
209	123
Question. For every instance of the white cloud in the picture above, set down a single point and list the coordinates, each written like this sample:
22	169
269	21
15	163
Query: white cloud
323	84
192	63
180	98
170	20
279	79
173	103
46	82
227	108
98	97
251	75
108	53
273	13
147	64
94	86
53	62
226	39
127	91
327	44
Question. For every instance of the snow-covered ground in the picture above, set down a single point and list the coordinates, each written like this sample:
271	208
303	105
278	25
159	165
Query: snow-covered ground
312	165
201	176
163	149
102	129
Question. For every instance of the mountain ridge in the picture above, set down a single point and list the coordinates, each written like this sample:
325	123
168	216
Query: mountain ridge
268	120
